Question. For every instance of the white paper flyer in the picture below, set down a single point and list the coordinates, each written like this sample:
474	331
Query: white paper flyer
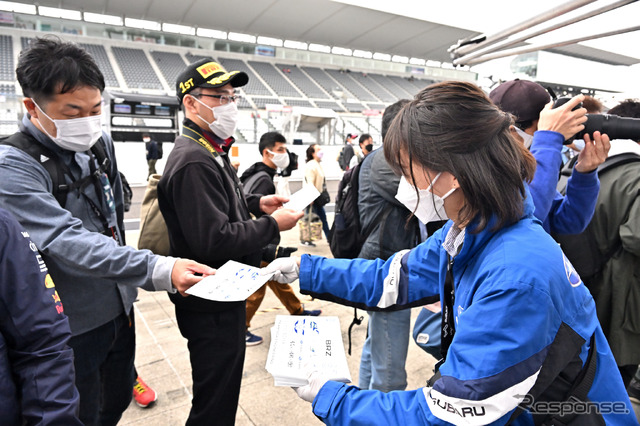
301	345
232	282
302	198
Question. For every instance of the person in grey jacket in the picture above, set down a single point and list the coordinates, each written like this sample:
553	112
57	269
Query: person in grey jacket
384	219
81	239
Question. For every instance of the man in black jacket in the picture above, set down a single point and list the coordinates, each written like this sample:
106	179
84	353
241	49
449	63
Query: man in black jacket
258	180
208	218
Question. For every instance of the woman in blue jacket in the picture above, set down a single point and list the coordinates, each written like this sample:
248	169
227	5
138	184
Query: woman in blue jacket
520	335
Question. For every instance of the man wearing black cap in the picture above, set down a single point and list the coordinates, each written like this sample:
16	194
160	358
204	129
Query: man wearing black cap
208	218
543	129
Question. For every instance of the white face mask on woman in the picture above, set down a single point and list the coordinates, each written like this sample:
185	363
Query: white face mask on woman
527	139
427	206
225	119
74	134
280	159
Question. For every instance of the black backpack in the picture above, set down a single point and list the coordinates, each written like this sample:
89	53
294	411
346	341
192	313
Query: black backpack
345	238
582	249
341	161
126	192
249	184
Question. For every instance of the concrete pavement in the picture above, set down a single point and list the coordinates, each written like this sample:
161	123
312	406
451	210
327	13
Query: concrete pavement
162	359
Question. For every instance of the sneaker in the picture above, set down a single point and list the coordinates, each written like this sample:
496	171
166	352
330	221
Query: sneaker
143	394
308	243
634	390
309	313
252	339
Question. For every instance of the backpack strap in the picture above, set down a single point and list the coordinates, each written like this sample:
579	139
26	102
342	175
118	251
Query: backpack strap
356	321
251	182
46	158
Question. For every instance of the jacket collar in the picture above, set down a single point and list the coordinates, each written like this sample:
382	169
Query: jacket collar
473	242
26	126
219	144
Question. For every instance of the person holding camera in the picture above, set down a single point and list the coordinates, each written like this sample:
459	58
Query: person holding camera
258	180
544	129
519	329
609	248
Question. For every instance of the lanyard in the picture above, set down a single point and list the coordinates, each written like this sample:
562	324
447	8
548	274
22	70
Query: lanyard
448	328
198	138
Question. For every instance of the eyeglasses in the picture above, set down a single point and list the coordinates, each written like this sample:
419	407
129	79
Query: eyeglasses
224	99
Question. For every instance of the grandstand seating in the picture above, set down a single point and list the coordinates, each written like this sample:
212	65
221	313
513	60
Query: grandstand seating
136	68
170	64
302	81
275	79
24	42
100	56
376	106
344	78
374	87
404	84
6	58
388	82
255	86
7	89
262	102
194	58
323	79
243	103
298	102
329	104
354	106
269	82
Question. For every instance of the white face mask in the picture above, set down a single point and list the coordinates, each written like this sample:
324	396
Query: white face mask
578	144
428	206
281	160
526	137
74	134
225	119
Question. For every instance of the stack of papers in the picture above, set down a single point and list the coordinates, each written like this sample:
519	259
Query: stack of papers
301	345
233	282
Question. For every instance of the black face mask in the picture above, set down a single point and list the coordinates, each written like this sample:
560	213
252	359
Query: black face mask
369	147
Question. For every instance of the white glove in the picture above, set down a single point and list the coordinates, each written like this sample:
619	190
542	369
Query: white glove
309	392
284	269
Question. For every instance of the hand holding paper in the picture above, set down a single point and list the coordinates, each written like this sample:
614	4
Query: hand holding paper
309	392
285	270
303	345
232	282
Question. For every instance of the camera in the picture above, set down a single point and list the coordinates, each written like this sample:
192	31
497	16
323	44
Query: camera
293	164
613	126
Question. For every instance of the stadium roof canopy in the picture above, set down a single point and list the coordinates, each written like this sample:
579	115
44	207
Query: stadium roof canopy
412	28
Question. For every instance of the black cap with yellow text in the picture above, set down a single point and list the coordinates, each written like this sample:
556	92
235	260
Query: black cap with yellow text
207	73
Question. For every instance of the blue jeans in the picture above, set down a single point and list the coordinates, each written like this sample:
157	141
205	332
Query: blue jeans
384	353
104	370
322	214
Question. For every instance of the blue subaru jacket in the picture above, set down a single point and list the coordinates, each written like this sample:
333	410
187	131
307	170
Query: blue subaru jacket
36	365
519	306
569	214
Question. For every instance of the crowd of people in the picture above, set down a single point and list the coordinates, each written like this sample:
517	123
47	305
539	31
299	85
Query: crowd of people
463	210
